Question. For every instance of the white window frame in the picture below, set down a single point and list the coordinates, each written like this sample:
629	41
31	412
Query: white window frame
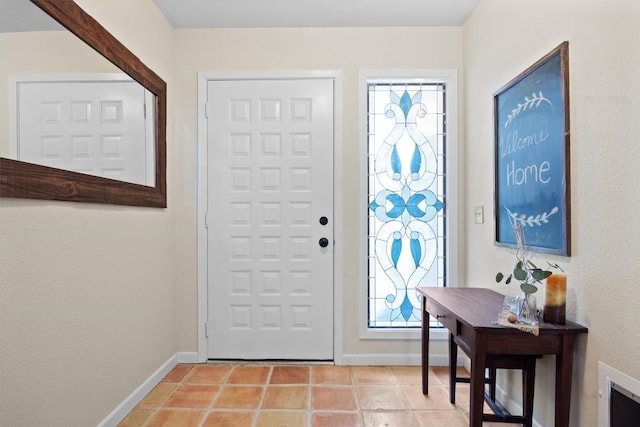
450	78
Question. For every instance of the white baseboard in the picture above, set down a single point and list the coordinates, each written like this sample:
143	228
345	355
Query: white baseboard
397	359
128	404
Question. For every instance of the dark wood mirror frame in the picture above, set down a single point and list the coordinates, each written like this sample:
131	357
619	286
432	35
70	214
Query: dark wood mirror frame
30	181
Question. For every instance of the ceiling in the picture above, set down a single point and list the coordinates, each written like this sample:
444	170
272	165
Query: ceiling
318	13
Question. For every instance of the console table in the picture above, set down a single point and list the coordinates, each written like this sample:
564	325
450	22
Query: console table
470	315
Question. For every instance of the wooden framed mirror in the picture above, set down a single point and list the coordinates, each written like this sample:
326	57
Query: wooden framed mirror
20	179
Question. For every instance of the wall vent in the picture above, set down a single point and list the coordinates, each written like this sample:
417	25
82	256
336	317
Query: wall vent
619	398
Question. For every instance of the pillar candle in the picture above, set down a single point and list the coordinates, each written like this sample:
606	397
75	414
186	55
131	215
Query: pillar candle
555	299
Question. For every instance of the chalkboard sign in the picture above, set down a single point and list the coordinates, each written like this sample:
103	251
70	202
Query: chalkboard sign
532	156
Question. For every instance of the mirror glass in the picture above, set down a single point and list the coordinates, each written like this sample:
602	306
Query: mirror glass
70	117
66	106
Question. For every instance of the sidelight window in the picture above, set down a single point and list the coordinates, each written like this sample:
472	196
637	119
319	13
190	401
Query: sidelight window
407	145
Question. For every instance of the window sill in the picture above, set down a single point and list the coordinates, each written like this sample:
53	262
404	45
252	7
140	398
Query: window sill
435	334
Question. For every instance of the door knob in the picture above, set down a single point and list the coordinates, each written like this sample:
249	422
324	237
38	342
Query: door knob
324	242
324	220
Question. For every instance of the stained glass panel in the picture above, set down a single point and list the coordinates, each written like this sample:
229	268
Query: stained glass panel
406	183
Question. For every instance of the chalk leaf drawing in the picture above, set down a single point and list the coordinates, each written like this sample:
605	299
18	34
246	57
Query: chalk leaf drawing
531	220
533	102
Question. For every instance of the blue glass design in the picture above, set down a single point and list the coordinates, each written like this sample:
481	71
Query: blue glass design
416	251
405	103
405	207
416	161
396	248
396	164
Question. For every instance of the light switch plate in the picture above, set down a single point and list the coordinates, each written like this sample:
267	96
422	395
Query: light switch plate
478	214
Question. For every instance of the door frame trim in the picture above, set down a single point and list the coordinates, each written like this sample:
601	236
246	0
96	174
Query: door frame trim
338	253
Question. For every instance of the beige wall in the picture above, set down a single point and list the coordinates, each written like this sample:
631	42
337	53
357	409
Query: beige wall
348	50
502	38
86	291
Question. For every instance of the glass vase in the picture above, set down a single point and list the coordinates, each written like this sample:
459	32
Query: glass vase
527	309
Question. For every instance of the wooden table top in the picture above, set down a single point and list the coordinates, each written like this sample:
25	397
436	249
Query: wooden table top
479	308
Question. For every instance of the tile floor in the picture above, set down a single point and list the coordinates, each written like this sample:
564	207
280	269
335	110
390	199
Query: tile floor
257	395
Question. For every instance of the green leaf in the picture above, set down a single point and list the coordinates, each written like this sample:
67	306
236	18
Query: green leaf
499	277
539	274
528	288
519	273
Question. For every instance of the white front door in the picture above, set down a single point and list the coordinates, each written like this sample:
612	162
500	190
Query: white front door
270	219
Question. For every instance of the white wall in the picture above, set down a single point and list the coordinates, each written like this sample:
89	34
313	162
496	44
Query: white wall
348	50
86	291
501	39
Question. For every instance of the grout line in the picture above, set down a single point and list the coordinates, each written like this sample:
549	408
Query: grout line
359	411
309	401
256	416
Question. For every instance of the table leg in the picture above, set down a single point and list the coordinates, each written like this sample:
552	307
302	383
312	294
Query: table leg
478	363
425	347
493	372
564	369
528	389
453	368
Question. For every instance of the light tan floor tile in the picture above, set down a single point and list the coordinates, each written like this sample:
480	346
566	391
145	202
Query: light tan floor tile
286	397
462	397
137	417
372	375
407	374
176	418
438	397
158	395
208	374
244	374
282	419
336	419
377	397
229	419
333	397
434	379
390	418
442	418
192	396
442	373
239	396
331	374
290	375
178	373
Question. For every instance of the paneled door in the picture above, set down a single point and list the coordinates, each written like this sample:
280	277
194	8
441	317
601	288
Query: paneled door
94	127
270	219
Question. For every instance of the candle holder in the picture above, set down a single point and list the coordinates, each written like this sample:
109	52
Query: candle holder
555	305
